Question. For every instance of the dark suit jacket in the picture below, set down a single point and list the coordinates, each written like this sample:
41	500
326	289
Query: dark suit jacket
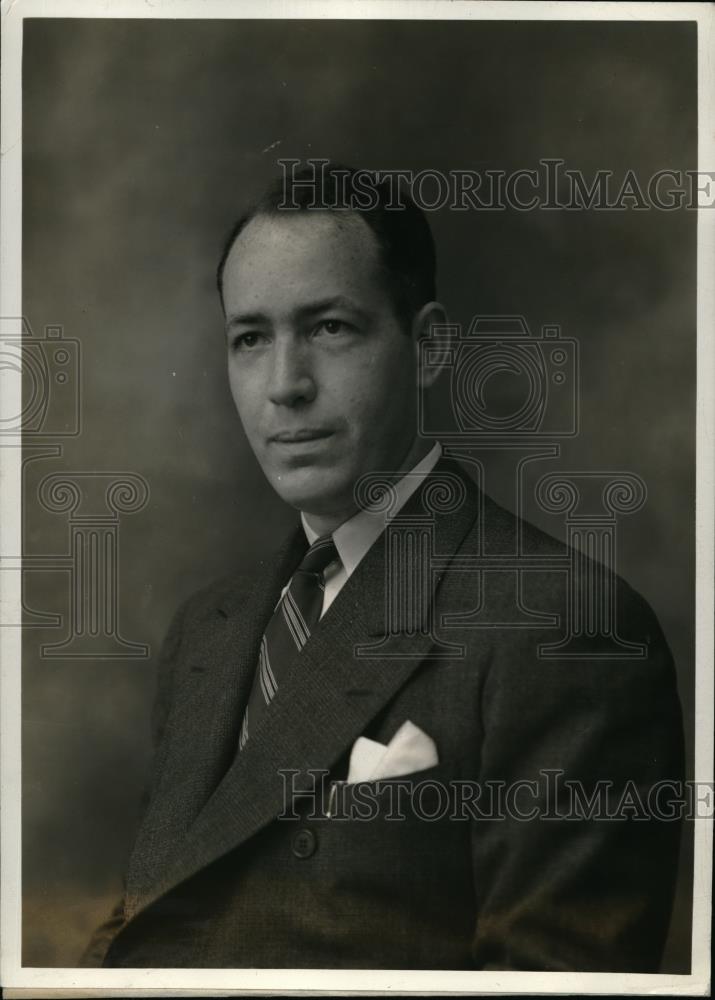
217	879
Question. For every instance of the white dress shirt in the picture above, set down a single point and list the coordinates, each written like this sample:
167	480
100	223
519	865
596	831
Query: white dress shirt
354	537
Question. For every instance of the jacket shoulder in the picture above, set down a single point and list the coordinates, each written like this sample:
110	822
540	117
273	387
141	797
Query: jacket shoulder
554	567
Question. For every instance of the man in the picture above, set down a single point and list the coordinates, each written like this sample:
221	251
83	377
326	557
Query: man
295	702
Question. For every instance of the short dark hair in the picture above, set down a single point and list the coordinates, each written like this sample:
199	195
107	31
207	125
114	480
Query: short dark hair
405	243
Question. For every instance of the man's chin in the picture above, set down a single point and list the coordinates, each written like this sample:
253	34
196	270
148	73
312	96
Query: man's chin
312	493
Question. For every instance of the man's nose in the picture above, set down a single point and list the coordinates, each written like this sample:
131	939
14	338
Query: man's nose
291	380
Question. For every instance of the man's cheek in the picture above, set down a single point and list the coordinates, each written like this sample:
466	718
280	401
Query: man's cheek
248	412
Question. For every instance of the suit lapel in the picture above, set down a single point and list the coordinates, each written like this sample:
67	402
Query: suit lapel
202	732
326	700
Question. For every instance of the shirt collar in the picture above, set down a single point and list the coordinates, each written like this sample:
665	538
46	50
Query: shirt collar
355	536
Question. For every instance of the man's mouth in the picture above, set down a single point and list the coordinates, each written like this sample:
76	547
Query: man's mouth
301	436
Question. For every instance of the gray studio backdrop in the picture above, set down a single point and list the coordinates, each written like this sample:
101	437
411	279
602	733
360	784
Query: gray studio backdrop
142	141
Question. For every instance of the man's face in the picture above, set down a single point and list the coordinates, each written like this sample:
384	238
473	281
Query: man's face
323	376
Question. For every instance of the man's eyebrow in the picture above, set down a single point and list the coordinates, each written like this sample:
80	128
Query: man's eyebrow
301	313
246	319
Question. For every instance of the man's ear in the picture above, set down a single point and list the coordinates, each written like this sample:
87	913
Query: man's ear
430	315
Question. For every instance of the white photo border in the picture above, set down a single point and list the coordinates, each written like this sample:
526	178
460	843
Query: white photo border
46	982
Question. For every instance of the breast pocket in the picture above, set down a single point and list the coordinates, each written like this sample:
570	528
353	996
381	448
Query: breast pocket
425	794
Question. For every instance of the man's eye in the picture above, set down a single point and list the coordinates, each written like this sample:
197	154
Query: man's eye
332	326
245	341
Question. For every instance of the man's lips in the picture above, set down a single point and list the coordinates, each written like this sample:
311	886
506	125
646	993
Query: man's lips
301	436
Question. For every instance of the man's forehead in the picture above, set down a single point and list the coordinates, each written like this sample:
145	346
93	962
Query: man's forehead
298	237
289	263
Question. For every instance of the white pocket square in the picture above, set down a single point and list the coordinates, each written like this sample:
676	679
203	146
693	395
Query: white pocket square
410	749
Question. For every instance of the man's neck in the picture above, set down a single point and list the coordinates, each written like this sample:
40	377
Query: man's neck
325	524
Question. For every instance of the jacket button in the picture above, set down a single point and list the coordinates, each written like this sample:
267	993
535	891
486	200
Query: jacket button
304	843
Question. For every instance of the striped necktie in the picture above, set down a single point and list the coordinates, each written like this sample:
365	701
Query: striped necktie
291	624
